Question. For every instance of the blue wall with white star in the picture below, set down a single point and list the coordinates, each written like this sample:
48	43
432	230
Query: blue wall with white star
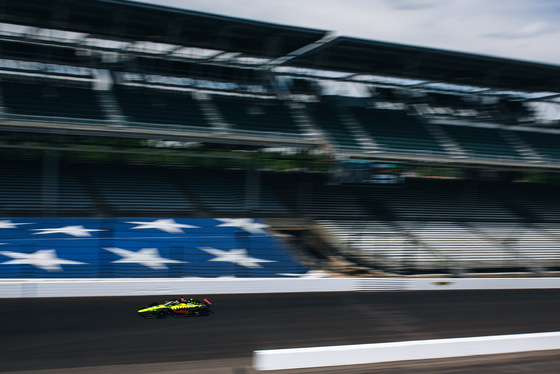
141	248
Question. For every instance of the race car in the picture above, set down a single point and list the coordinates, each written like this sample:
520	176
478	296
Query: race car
180	307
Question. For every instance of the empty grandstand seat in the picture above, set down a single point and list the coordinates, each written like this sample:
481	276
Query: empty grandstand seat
22	191
539	200
425	199
73	197
545	143
42	53
327	117
224	192
160	107
460	246
217	74
135	189
49	98
482	142
396	131
256	114
441	246
534	245
377	244
313	197
20	187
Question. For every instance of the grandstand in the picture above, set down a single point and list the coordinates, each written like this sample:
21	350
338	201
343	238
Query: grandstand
156	112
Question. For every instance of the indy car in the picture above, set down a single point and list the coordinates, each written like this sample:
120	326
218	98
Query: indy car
177	308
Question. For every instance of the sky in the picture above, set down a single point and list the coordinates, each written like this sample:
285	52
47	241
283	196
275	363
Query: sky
518	29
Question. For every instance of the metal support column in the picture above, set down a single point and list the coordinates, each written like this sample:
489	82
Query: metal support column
49	183
252	187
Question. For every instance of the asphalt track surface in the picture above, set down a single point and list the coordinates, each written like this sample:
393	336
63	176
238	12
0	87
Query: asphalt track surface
88	332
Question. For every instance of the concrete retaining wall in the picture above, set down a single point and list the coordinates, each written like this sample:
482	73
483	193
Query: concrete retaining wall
282	359
178	286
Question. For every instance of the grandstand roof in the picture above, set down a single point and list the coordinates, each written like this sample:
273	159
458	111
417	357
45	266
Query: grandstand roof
129	20
361	56
293	46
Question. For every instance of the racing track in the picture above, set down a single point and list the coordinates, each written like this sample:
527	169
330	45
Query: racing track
58	333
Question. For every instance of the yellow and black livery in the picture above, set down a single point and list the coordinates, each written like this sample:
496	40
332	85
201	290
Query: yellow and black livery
180	307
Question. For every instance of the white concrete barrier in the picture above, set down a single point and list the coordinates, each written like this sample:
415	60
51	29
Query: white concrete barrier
282	359
174	286
427	284
180	286
436	284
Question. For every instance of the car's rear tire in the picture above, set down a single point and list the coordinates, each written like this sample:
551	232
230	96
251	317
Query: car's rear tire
204	312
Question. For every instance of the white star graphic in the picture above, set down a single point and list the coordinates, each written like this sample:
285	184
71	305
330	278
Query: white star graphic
148	257
7	224
167	225
247	224
69	230
45	259
236	256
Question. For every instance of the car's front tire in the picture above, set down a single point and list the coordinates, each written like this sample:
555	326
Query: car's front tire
161	314
204	312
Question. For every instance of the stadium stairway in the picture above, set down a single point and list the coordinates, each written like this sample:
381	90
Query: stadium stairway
101	207
200	210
